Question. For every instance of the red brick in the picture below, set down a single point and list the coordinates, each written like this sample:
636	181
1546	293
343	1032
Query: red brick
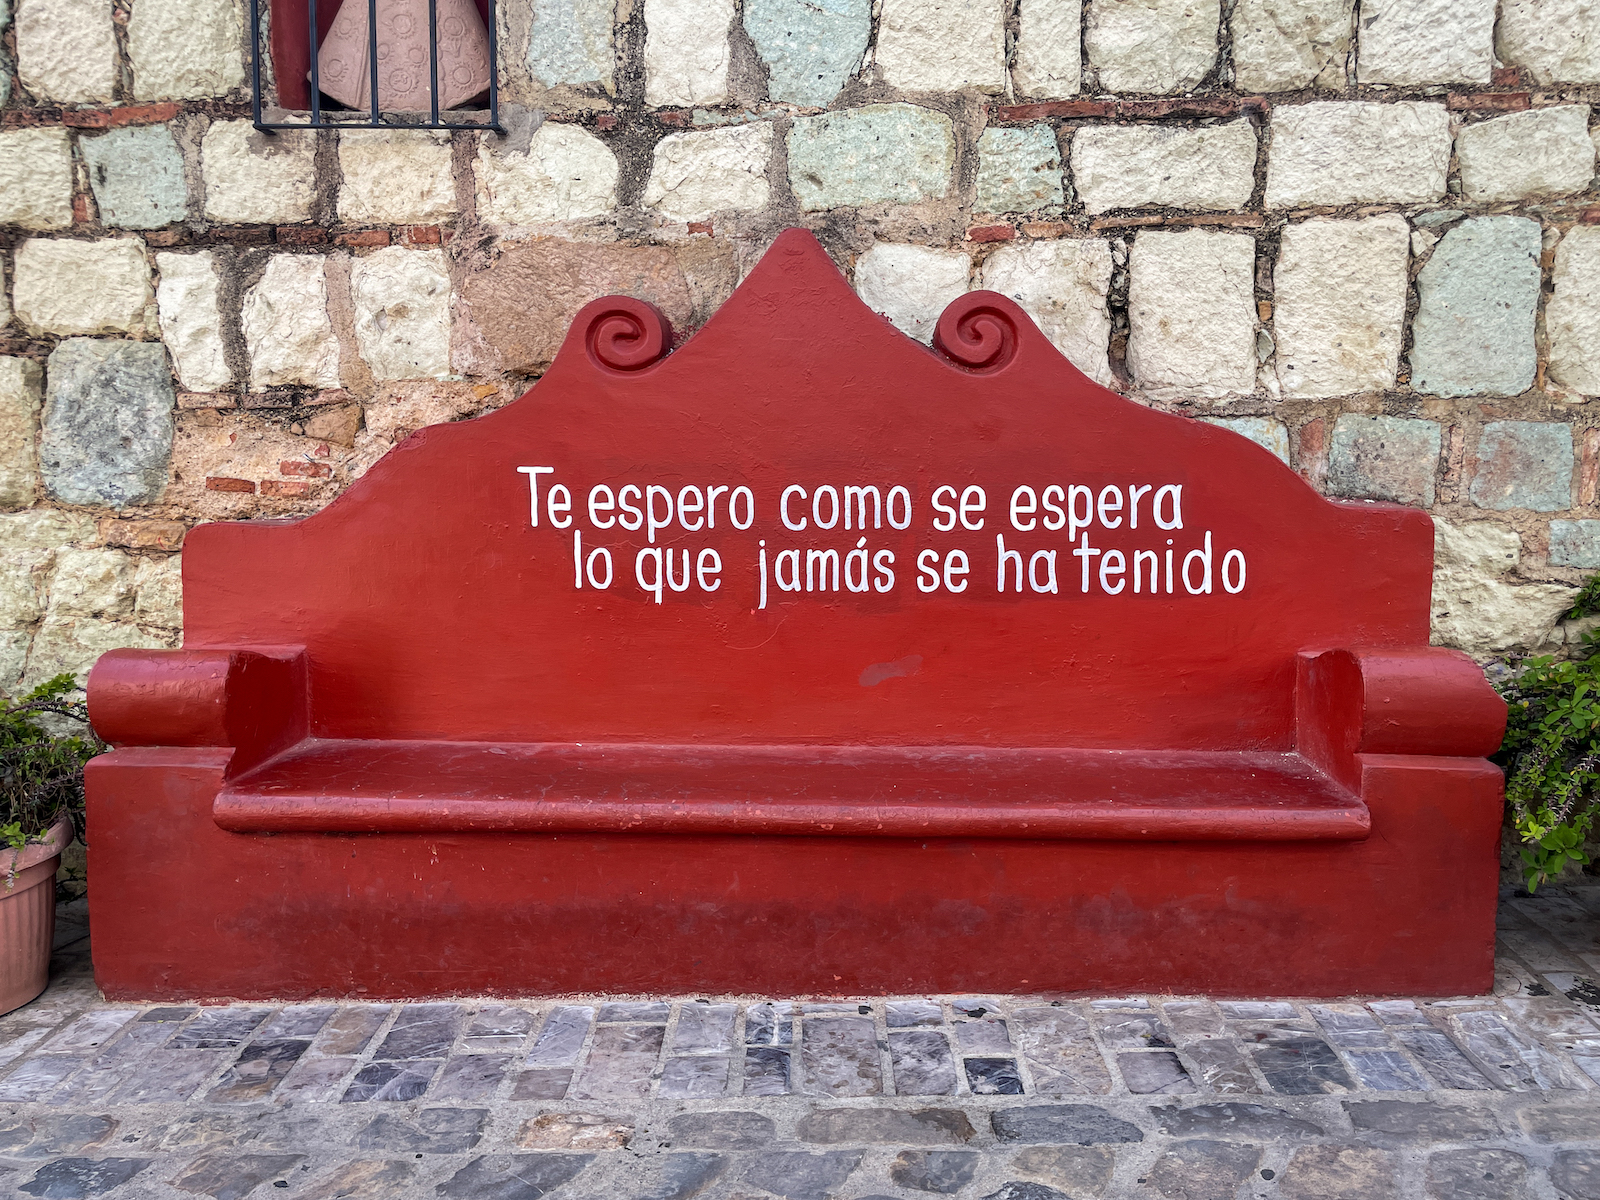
991	233
85	118
142	535
143	114
363	238
1124	222
285	487
206	400
1507	77
422	235
82	214
163	238
699	226
244	235
1238	220
302	235
1044	229
1313	457
673	116
1589	216
299	466
1491	102
1184	106
1052	108
221	483
606	121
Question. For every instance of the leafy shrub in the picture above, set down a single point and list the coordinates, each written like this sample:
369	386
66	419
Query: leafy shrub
41	770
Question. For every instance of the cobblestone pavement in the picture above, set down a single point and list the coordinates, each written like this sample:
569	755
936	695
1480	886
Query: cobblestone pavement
1002	1097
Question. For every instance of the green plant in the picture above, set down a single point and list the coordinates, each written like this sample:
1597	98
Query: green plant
41	769
1551	754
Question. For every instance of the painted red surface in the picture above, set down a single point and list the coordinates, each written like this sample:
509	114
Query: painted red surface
412	748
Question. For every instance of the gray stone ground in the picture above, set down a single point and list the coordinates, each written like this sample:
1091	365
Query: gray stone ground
1001	1097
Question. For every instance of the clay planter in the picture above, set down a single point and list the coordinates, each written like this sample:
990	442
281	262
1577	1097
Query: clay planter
28	917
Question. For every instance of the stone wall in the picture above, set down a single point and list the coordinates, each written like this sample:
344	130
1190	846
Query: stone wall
1365	235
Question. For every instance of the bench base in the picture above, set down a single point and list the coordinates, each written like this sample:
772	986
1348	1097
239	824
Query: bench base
184	909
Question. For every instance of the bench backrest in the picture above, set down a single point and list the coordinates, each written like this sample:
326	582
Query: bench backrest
444	595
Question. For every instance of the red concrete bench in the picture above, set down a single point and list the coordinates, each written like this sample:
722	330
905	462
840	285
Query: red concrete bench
1099	699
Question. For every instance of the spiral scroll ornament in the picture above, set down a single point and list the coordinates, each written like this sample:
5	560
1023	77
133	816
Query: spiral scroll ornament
625	334
978	331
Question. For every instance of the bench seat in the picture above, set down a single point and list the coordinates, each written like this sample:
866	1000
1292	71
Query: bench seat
358	786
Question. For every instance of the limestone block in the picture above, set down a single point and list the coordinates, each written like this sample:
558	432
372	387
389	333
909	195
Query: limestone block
92	583
1049	61
1572	316
1412	42
20	384
1062	285
1384	458
137	176
66	50
1352	152
256	177
521	304
191	321
1575	544
1019	170
810	46
571	42
911	285
567	174
1130	166
43	529
1523	464
694	175
1476	606
36	178
395	179
1266	432
1191	313
107	431
186	49
402	306
24	586
72	645
941	45
158	587
1473	332
286	325
1339	305
66	287
1152	45
686	51
1286	45
1543	152
878	154
1555	41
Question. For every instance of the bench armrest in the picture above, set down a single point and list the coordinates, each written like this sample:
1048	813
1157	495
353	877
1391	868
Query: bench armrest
1427	701
252	700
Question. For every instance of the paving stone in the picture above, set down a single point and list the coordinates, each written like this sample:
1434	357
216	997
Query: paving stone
1561	1123
1149	1073
676	1176
1384	458
653	1012
391	1081
562	1036
1192	1019
1255	1121
362	1179
1350	152
471	1077
1191	313
294	1021
686	1078
621	1059
1202	1170
513	1176
1523	464
1152	45
902	1014
840	1057
1386	1071
259	1069
721	1130
944	1172
1442	1060
351	1028
977	1036
1135	166
1019	170
1131	1031
1017	1189
1414	42
809	48
1072	1124
71	1178
766	1071
799	1175
1222	1066
136	173
543	1084
1555	1021
1473	332
1425	1120
315	1078
576	1131
895	1127
1048	62
51	1134
1301	1066
1286	45
1351	1027
430	1131
1338	1173
234	1176
1477	1175
421	1031
1575	1174
91	1031
704	1029
686	52
1085	1170
169	1075
940	46
876	154
1061	1055
219	1028
1257	1010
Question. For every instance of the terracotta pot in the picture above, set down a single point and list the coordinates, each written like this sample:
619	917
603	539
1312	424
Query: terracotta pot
28	916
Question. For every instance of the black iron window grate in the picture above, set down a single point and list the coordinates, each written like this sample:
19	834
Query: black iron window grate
372	116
